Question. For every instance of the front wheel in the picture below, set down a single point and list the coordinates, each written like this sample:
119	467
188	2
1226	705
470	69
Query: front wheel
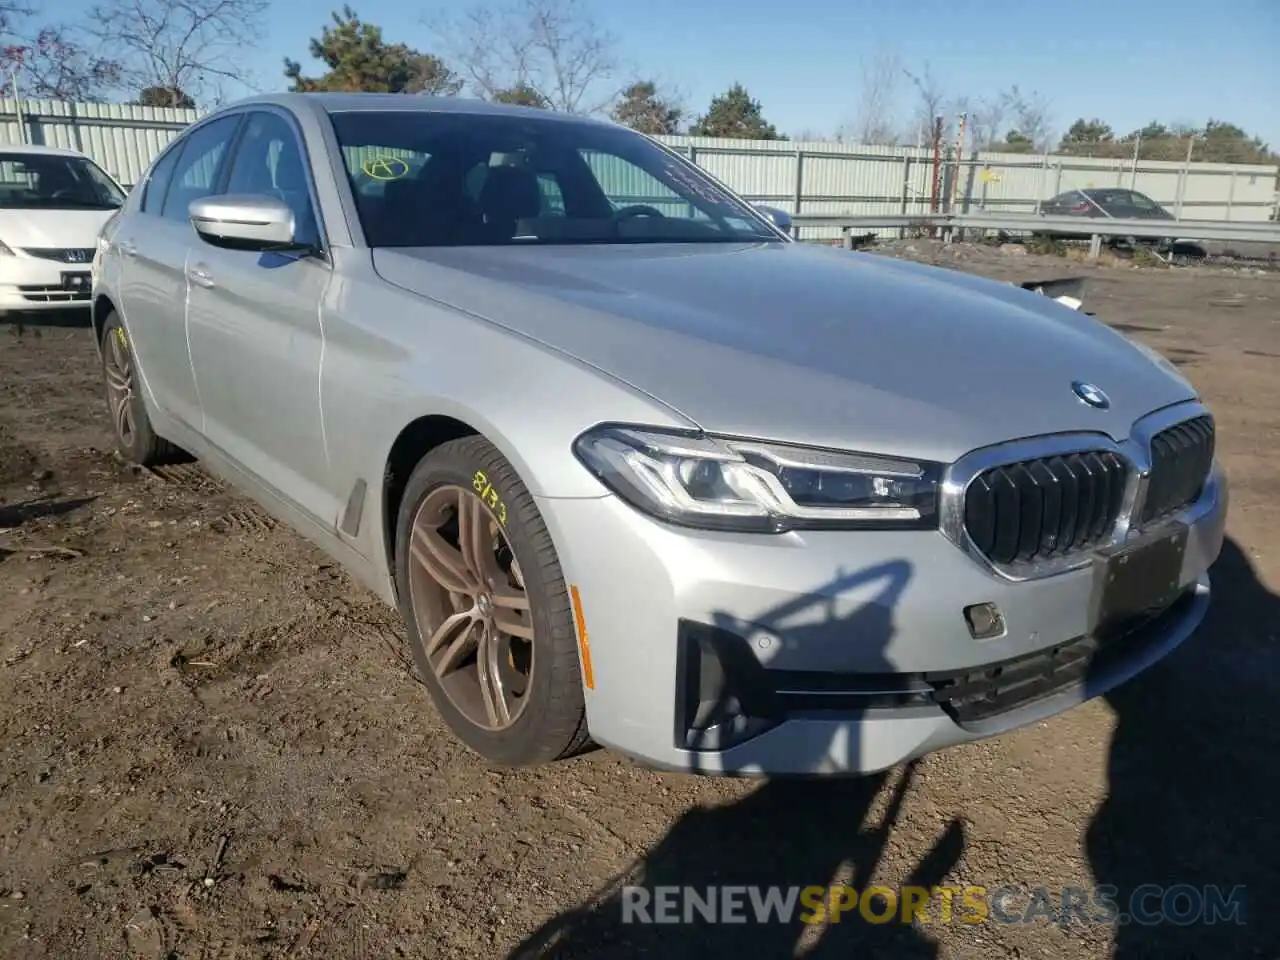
486	609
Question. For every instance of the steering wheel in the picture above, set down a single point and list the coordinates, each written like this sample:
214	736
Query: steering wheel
638	210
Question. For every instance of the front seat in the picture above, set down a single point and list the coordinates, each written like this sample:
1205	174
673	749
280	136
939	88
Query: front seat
433	209
509	194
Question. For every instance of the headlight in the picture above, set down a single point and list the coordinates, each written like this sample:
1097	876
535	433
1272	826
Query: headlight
725	483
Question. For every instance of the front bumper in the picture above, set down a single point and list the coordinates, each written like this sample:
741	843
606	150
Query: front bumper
836	634
34	283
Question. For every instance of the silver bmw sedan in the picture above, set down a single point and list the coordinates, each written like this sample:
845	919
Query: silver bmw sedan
635	466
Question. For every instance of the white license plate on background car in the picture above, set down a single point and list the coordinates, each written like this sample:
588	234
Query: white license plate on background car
77	282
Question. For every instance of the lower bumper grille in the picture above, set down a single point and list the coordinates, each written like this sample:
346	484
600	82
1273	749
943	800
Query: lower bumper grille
51	293
977	695
726	696
1181	458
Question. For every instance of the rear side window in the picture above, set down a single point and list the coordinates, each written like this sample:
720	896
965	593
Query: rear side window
158	182
196	174
1113	198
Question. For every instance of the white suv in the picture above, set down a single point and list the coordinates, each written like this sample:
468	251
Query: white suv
53	203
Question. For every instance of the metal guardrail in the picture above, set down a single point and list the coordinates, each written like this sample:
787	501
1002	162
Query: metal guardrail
1096	228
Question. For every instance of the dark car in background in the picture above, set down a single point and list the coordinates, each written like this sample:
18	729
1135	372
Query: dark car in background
1109	202
1119	204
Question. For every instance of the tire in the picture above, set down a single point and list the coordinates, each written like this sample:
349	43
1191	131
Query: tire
551	722
139	443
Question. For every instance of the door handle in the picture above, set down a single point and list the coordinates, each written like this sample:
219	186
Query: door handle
127	248
199	276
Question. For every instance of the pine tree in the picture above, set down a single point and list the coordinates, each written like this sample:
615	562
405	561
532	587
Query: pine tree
735	114
359	60
642	109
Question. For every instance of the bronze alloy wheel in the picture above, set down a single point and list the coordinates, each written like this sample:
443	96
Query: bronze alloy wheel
119	371
493	639
468	598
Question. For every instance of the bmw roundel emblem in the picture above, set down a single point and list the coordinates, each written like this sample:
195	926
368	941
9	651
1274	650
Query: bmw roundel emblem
1090	394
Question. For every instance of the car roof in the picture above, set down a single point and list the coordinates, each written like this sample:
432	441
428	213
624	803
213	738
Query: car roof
32	148
401	102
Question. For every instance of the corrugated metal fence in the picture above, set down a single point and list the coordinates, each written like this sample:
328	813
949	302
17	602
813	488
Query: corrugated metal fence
121	138
831	179
835	179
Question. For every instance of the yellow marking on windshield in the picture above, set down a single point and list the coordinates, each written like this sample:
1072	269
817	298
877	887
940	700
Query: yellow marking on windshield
385	168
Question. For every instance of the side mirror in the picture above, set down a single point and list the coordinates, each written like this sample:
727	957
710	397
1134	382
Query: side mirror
247	221
1068	291
780	218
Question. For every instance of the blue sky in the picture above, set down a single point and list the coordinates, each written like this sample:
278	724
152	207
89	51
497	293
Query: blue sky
1128	61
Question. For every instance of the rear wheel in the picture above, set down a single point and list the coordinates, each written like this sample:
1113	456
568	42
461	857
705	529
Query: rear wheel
135	439
486	609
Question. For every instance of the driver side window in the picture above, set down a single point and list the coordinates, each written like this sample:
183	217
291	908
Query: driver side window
269	161
196	175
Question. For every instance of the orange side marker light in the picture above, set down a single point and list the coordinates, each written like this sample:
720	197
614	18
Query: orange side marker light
583	646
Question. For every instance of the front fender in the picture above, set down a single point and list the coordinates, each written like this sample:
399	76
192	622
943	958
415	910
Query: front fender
400	357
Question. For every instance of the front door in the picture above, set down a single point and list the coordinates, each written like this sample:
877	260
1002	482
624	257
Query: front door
153	248
254	323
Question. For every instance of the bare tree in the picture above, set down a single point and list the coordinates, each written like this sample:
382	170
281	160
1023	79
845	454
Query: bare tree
11	11
876	120
54	66
1029	117
931	102
984	120
550	47
189	45
817	135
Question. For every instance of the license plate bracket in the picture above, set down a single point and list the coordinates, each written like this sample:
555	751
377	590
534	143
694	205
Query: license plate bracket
77	281
1137	579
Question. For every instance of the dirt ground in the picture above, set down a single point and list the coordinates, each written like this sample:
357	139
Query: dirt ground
212	746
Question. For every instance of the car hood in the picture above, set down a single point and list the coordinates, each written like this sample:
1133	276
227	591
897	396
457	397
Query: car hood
41	227
807	344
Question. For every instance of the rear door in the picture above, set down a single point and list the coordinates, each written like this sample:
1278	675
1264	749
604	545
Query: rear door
154	245
255	327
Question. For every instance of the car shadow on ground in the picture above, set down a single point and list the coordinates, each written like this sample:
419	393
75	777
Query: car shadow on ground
1188	811
71	318
786	833
1191	784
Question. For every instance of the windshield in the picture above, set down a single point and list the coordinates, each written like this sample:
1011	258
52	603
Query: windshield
54	181
449	179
